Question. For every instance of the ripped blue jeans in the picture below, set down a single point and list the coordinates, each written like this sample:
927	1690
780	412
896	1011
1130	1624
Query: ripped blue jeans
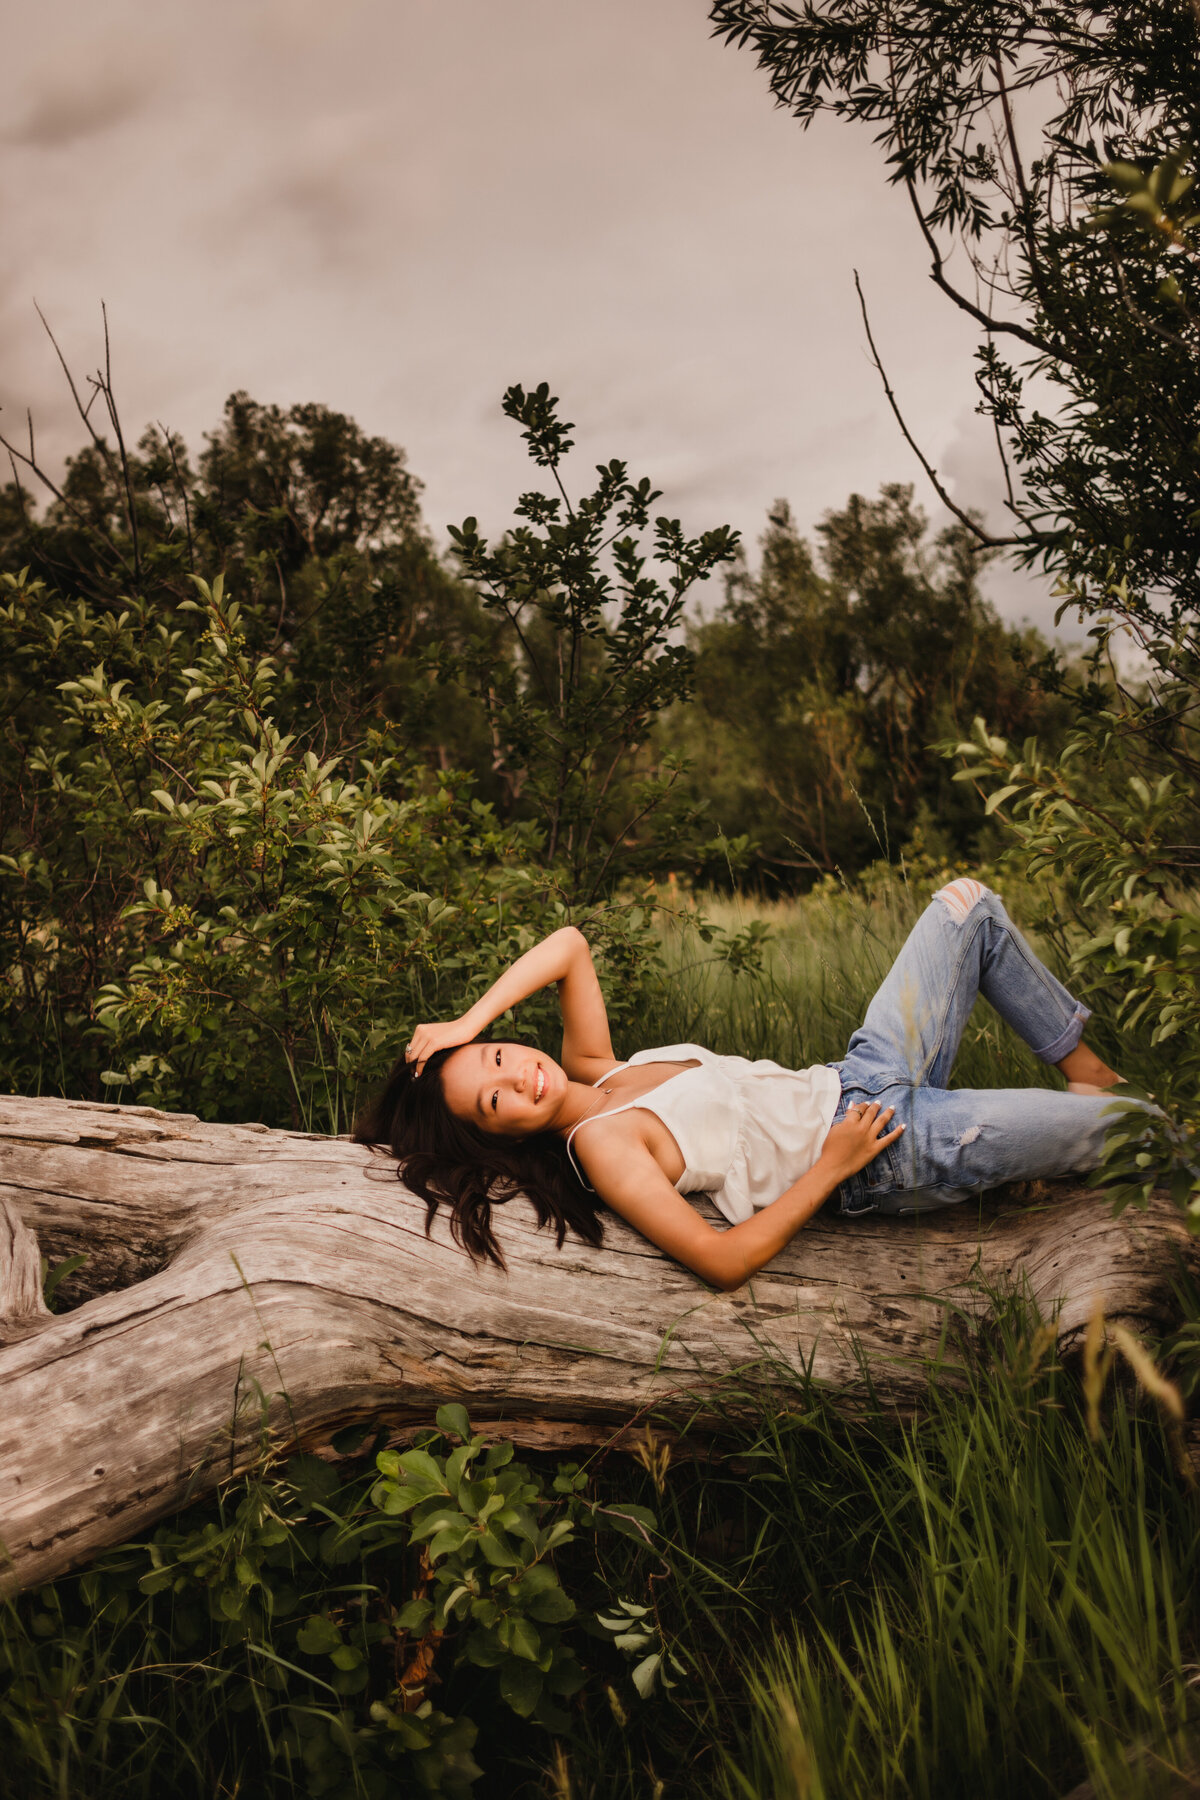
960	1141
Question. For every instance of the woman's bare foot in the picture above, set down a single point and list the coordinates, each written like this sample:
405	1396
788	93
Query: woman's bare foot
1085	1072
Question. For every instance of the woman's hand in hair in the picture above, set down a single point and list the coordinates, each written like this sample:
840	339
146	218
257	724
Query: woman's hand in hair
857	1139
427	1039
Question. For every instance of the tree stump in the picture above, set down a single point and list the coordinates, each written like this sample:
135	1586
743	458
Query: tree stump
246	1285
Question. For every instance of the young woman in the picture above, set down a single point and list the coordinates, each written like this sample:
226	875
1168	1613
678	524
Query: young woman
473	1122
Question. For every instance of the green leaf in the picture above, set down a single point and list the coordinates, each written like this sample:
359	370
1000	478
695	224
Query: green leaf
350	1681
414	1616
232	1602
392	1500
454	1422
523	1638
553	1607
449	1539
59	1272
646	1673
421	1471
318	1636
314	1481
496	1549
521	1686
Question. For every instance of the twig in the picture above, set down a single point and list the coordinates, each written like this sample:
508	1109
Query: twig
114	416
183	494
83	411
986	540
938	274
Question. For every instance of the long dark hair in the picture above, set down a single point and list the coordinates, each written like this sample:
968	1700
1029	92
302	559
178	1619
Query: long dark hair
445	1159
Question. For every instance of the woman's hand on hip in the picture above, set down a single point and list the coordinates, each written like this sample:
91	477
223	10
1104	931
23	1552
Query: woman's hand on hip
427	1039
858	1137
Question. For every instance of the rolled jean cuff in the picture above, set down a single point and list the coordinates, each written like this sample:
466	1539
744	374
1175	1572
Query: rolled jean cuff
1067	1040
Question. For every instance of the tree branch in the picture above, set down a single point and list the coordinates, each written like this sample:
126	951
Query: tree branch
938	274
986	540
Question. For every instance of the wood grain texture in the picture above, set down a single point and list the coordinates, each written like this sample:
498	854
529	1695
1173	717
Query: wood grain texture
21	1304
245	1281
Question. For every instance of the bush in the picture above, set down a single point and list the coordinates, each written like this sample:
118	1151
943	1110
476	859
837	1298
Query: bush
284	1640
199	911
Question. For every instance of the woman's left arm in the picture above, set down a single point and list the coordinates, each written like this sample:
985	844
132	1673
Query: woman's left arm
565	959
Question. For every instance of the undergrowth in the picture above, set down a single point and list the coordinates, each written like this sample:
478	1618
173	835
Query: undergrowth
980	1599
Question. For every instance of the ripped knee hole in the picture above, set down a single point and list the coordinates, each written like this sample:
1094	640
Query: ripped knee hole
958	897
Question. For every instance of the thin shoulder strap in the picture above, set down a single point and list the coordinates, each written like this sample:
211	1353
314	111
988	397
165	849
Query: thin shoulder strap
609	1113
600	1115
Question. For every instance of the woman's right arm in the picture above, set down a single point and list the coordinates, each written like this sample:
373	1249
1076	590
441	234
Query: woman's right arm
565	959
627	1177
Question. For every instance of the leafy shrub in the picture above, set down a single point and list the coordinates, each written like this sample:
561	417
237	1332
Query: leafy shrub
282	1623
199	911
596	622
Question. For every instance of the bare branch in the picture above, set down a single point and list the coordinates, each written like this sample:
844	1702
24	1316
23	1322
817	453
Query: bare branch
126	478
1026	198
83	411
183	493
986	540
938	274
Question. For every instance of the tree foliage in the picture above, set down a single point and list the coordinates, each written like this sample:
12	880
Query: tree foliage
822	680
313	1618
316	529
241	849
997	120
597	623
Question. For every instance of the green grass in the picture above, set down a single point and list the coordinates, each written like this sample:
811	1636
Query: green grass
824	958
1016	1611
977	1602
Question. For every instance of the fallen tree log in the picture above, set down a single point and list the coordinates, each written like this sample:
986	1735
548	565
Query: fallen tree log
247	1284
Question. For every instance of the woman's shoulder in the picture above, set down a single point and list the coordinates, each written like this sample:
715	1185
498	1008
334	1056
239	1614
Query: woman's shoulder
621	1132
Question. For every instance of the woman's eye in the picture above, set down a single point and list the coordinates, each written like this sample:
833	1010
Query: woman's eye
495	1097
497	1059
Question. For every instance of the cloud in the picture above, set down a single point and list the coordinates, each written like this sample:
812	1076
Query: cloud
324	184
85	93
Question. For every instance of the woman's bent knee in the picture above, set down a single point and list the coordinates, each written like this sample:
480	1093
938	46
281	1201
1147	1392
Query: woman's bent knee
960	897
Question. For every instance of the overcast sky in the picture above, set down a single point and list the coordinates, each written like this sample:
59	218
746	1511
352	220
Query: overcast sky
399	207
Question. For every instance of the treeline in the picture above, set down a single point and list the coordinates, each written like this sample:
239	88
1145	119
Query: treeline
807	698
824	680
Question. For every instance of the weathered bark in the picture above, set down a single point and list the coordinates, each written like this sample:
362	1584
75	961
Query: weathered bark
248	1281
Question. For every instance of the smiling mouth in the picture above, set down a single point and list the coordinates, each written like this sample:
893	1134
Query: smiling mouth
539	1086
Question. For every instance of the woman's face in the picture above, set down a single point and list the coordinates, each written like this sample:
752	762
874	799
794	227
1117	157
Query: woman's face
508	1089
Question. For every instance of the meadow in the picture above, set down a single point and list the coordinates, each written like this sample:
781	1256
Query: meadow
814	962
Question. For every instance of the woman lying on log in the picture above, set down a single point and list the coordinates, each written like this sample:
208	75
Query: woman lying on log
473	1121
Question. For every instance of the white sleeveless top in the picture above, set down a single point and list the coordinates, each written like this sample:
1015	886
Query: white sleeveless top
745	1130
